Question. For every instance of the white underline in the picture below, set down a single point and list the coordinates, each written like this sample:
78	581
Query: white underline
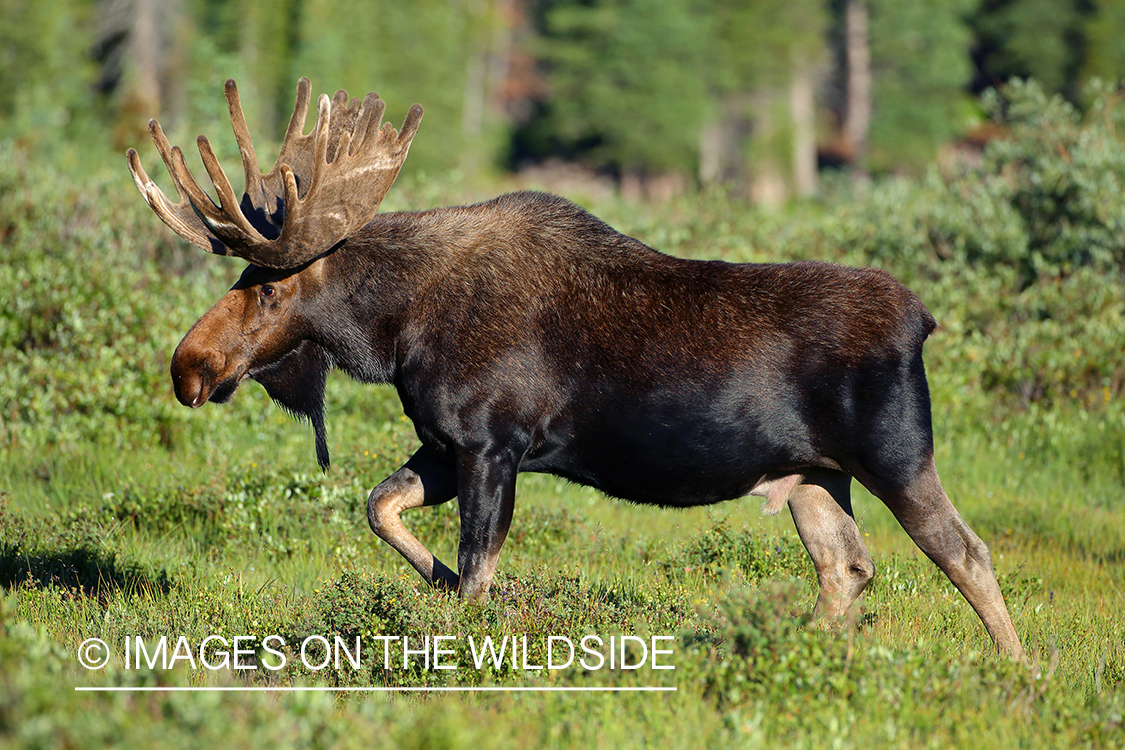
436	689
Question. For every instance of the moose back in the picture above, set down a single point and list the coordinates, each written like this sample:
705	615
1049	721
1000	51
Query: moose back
523	334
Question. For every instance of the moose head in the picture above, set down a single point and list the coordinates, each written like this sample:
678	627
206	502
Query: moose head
323	188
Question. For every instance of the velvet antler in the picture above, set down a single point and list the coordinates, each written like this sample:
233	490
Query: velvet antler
323	186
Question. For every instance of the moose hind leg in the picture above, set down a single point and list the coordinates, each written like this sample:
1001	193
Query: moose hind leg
822	512
424	480
927	515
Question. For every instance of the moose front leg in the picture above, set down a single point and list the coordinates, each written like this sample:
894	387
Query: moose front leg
487	490
424	480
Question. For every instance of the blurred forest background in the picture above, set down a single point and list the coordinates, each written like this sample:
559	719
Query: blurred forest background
655	95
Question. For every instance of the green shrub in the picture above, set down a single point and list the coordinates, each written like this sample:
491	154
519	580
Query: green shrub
529	608
775	676
718	551
1064	173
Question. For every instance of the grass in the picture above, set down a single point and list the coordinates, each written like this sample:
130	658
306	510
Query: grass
225	541
124	515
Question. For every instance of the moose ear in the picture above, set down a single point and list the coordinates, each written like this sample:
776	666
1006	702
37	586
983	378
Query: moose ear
296	382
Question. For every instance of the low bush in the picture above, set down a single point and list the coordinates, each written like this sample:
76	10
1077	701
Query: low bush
719	551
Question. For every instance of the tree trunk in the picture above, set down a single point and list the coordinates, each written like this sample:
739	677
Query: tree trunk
138	42
768	162
144	57
721	160
857	116
802	110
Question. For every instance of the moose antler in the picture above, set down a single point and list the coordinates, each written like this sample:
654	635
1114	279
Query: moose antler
322	187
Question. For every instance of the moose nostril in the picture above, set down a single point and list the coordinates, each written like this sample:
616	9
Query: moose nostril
188	387
191	375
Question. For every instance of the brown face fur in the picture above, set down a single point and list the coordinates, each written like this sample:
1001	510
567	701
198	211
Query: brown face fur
257	322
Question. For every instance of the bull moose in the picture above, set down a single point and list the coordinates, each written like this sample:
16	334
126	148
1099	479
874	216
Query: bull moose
524	334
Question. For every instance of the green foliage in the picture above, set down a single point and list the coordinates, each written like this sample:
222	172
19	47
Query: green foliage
1105	40
427	51
278	516
1065	175
640	86
46	93
1020	257
84	345
776	675
719	550
527	610
625	80
70	556
1030	38
920	70
753	46
761	651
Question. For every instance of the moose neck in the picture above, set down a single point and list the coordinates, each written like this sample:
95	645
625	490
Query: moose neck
374	278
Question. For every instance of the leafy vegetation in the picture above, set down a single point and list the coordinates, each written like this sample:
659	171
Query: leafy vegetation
123	515
723	91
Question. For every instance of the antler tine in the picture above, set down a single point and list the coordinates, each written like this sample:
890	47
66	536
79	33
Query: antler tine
410	124
371	118
295	150
227	221
322	135
300	109
179	216
255	192
170	213
324	185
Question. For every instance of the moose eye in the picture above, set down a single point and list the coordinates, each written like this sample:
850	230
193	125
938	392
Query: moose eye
268	292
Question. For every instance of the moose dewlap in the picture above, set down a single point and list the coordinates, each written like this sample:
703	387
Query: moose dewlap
523	334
